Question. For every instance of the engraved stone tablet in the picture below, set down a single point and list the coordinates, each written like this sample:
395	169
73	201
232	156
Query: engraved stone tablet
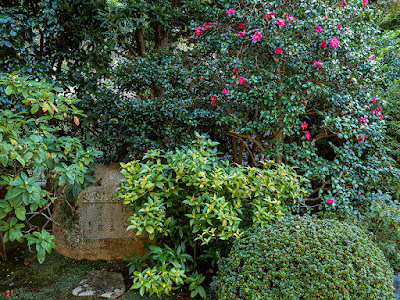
99	230
102	220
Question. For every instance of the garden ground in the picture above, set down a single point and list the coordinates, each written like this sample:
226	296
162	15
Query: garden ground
56	277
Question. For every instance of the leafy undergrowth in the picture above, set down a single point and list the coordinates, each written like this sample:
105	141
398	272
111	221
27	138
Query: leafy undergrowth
56	277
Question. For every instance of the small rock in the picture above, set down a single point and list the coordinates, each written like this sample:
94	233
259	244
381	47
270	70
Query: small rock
101	283
397	286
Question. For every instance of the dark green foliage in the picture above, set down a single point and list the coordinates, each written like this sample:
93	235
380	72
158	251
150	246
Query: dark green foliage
51	38
304	258
392	97
383	220
156	102
121	57
390	60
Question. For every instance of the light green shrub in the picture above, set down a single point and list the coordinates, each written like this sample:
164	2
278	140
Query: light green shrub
191	204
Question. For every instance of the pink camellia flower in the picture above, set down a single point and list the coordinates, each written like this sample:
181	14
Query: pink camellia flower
339	26
291	18
323	44
270	14
371	57
242	33
278	50
257	36
224	91
344	3
360	138
380	117
334	42
213	98
201	78
307	135
280	22
363	120
206	26
378	108
235	71
318	28
318	62
376	111
241	26
304	125
319	71
373	99
362	195
198	30
241	80
364	3
230	11
330	201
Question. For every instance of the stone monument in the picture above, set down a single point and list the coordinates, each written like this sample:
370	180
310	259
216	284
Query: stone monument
99	229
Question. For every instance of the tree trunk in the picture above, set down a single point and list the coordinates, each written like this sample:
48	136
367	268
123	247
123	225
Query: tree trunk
141	48
279	139
160	36
2	248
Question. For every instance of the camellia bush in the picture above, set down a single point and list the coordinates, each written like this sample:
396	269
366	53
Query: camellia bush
38	153
299	82
191	205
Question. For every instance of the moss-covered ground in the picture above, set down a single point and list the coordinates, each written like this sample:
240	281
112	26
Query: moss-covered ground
56	277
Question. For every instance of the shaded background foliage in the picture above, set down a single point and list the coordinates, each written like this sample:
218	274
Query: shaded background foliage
145	79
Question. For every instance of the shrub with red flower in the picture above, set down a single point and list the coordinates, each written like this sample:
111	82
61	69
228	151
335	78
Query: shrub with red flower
257	36
280	22
270	15
318	28
198	30
334	42
324	44
304	74
213	99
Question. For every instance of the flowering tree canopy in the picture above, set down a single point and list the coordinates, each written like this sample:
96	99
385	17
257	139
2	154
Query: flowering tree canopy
302	66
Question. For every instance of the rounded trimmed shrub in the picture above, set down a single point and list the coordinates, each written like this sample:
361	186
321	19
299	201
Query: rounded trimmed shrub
304	258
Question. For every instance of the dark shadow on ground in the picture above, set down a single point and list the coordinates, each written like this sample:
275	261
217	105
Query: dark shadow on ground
56	277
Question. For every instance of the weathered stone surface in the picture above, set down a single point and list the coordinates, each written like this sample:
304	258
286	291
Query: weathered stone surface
101	283
397	286
99	230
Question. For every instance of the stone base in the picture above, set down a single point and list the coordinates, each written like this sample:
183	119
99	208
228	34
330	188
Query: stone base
106	249
99	229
